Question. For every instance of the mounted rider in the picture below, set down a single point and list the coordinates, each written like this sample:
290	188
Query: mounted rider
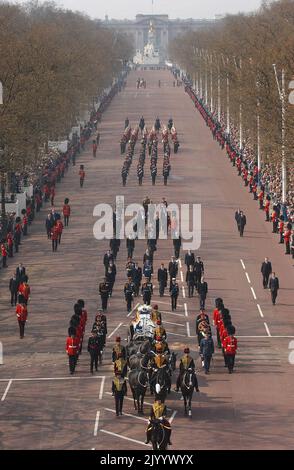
159	330
120	366
155	315
118	349
160	344
186	363
158	412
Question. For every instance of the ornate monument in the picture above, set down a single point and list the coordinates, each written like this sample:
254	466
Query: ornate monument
150	55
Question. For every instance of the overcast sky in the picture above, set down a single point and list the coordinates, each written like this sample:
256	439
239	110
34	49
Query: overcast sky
174	8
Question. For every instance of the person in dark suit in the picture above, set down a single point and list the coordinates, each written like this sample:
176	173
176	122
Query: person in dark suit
162	279
20	273
266	270
137	278
189	259
13	287
274	287
130	243
241	223
172	269
202	291
177	245
190	280
107	258
237	215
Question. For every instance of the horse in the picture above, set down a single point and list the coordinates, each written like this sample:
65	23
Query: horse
160	383
138	380
142	346
139	361
188	384
159	437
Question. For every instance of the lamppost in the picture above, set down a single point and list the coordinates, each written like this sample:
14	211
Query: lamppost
281	91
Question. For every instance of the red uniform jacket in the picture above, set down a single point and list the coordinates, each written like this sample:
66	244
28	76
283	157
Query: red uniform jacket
54	233
3	250
230	345
25	290
21	312
82	174
71	346
59	226
66	210
287	236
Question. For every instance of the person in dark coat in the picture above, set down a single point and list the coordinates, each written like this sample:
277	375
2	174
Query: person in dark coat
172	269
189	259
241	223
162	279
107	258
198	270
190	280
266	270
13	287
137	278
202	291
20	273
206	351
177	245
174	293
130	246
93	349
274	287
237	215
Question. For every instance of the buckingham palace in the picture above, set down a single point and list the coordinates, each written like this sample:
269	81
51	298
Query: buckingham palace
165	29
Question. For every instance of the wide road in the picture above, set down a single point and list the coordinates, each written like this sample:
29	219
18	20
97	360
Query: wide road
42	407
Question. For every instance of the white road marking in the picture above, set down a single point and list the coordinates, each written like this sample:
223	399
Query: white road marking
184	294
267	329
128	414
253	293
243	265
6	390
171	323
180	263
167	303
115	329
188	329
182	277
260	311
124	437
172	313
175	334
130	313
248	278
101	388
96	423
186	309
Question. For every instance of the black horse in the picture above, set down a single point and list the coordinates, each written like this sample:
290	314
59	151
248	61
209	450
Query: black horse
188	383
138	380
160	383
139	361
142	346
159	436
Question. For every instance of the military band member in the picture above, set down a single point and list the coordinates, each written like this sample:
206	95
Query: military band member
104	291
118	350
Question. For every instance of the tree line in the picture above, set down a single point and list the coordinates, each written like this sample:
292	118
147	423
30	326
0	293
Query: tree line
231	66
53	63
